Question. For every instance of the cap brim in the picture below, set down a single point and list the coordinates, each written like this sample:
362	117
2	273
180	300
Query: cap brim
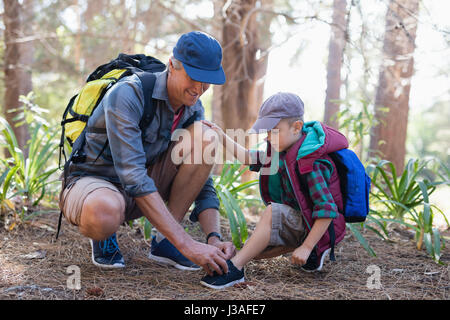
264	124
205	76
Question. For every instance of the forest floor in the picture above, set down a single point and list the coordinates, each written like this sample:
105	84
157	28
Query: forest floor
35	266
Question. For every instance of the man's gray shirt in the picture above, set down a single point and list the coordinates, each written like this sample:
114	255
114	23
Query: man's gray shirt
127	155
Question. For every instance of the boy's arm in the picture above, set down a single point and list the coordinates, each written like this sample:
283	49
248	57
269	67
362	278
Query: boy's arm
239	152
324	209
301	254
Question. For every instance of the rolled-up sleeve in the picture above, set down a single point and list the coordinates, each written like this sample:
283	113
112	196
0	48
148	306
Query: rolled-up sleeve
123	111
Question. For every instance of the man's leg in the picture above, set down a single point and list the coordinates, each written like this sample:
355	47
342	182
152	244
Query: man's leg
191	176
102	214
98	209
186	185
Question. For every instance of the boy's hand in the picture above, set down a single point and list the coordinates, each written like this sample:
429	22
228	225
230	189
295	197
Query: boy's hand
213	126
301	255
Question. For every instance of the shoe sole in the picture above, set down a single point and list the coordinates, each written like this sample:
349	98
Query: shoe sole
104	266
169	262
229	284
325	254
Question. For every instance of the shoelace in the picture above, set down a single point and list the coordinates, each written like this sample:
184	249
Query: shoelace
109	245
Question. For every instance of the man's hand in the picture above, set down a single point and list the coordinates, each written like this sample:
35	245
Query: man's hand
301	255
209	257
226	247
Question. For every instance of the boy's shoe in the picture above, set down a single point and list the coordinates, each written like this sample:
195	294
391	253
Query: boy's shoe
165	253
106	253
314	263
225	280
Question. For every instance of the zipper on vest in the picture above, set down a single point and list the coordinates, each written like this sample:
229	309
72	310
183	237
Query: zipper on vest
292	185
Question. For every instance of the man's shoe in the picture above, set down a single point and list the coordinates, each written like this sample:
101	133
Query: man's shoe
313	263
165	253
225	280
106	253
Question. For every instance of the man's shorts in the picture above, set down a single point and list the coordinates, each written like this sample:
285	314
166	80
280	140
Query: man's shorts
72	198
288	229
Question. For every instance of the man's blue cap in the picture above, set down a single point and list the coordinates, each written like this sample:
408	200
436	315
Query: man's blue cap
201	56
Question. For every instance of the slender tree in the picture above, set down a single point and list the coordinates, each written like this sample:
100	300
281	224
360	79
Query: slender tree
335	56
17	62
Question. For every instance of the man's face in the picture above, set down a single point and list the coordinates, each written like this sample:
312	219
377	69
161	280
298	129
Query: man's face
182	89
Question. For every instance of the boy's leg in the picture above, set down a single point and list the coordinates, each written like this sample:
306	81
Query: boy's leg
274	252
258	241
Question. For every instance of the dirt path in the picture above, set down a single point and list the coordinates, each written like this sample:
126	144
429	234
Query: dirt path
34	266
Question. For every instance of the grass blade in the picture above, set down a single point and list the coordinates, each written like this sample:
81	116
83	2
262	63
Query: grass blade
361	240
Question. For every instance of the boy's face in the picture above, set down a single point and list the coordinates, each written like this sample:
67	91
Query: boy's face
284	135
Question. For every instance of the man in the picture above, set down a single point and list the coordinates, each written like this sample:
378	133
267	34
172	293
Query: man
104	191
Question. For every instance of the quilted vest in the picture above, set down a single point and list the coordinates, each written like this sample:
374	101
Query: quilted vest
334	141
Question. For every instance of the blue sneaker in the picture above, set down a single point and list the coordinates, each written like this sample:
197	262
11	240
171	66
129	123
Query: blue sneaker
106	253
225	280
165	253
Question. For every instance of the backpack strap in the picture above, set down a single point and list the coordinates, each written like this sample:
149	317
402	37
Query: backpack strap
148	81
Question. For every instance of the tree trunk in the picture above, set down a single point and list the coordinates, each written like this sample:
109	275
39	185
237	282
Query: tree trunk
335	56
242	93
389	136
244	40
18	59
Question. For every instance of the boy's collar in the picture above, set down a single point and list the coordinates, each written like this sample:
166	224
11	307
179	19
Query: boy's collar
291	152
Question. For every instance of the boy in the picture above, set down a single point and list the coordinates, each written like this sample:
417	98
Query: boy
303	197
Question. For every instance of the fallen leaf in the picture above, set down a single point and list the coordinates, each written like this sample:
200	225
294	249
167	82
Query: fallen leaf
95	291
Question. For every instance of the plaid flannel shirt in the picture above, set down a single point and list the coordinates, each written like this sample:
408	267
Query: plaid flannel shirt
318	181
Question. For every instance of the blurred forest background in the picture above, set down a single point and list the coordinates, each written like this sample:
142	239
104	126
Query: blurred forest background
378	70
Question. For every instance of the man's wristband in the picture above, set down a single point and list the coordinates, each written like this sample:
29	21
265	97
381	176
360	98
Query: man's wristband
213	234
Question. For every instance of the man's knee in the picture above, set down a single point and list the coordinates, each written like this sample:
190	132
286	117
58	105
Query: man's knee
198	143
102	214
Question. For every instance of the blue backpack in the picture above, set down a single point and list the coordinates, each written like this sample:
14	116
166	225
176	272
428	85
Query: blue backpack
355	185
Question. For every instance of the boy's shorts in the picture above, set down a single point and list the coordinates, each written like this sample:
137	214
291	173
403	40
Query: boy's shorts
288	229
72	198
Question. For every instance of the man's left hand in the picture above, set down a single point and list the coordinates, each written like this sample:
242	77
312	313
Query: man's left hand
226	247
